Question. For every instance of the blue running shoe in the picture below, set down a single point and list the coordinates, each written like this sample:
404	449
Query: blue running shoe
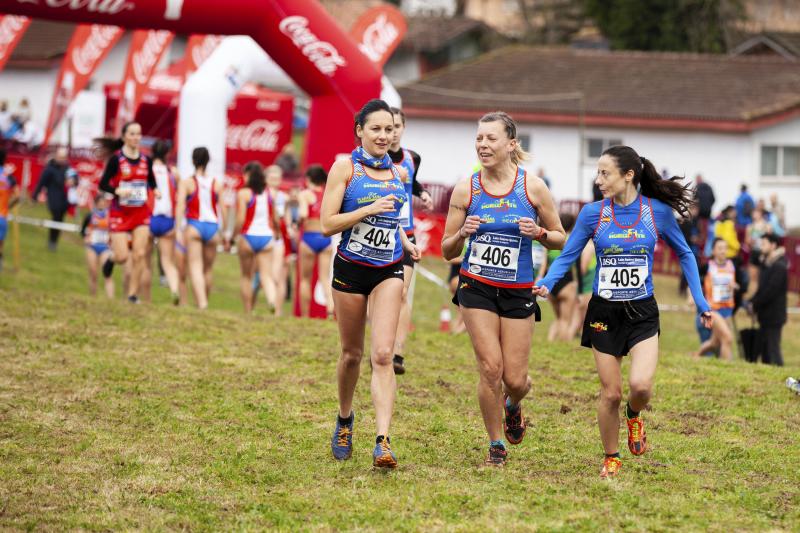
342	440
382	455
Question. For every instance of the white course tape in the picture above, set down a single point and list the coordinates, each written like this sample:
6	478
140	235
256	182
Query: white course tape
430	276
64	226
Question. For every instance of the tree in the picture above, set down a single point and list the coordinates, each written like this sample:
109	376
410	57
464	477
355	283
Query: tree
674	25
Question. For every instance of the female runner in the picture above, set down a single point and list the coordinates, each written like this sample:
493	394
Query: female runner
257	224
197	216
314	246
162	223
128	176
363	199
719	286
622	317
496	213
94	231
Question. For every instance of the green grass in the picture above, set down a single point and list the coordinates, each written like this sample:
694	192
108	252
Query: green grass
115	416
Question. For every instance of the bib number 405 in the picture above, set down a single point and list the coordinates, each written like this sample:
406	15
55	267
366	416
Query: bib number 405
623	277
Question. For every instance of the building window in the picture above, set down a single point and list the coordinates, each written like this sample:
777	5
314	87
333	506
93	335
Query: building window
595	146
524	141
780	161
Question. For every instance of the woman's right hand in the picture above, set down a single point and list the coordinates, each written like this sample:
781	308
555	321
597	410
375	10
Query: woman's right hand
180	238
382	205
470	227
541	290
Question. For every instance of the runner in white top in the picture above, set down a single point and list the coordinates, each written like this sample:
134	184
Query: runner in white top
162	221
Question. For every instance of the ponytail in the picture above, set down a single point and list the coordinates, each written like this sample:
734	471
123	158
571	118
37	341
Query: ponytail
670	191
109	145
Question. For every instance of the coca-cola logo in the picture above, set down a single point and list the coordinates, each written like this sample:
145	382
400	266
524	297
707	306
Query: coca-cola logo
110	7
10	25
258	136
84	57
144	60
323	54
378	37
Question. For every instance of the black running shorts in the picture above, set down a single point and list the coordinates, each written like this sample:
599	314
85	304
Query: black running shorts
615	327
407	260
507	303
360	279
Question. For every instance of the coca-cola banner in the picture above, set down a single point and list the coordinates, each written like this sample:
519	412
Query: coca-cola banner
147	47
12	28
259	125
198	48
378	32
89	46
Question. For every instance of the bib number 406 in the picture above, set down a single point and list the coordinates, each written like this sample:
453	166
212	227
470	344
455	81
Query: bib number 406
495	256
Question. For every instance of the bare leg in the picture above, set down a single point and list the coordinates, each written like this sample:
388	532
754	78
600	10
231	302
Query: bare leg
404	324
279	276
484	331
246	258
386	299
145	282
324	276
610	373
515	340
108	282
194	259
644	359
307	259
139	252
264	266
166	249
352	309
209	255
91	264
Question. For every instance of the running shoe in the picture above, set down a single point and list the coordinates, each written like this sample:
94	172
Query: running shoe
342	439
497	456
514	423
397	362
382	455
133	299
637	439
108	268
611	467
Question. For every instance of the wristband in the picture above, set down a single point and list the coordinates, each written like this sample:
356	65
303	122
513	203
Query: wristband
542	234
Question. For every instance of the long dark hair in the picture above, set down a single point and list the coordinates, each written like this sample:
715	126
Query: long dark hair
670	191
160	149
317	175
256	179
110	145
200	157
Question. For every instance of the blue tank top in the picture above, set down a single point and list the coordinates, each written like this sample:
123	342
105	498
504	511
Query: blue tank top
625	252
407	213
498	254
375	241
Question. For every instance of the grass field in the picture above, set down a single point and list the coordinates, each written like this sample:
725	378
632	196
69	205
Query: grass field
115	416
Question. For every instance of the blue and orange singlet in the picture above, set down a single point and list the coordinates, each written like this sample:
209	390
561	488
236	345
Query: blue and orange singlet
375	241
498	254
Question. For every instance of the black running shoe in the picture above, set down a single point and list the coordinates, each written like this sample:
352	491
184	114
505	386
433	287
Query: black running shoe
497	456
398	365
514	423
108	268
133	299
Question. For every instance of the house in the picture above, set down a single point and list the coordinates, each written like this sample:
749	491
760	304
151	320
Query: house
732	119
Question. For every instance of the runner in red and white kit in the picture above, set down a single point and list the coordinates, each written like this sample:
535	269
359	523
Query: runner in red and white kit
314	247
257	224
129	177
197	215
162	222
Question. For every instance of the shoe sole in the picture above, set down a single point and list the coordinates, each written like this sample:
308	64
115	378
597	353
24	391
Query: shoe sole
345	458
384	462
399	370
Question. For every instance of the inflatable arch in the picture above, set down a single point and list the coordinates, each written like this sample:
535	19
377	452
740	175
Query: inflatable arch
301	37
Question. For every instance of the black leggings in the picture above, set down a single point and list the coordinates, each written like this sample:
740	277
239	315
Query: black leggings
58	216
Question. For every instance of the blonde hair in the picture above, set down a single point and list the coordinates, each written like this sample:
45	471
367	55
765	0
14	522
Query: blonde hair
510	126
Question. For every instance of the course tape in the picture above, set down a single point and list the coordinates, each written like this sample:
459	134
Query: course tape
42	223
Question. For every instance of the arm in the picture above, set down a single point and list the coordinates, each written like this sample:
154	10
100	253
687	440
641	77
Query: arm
302	206
85	224
44	181
180	204
586	256
241	207
458	226
548	215
111	170
222	213
151	178
671	233
333	221
584	228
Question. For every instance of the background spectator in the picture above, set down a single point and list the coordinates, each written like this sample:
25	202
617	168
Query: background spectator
287	160
752	241
5	119
705	197
744	208
726	230
54	181
769	301
541	173
777	215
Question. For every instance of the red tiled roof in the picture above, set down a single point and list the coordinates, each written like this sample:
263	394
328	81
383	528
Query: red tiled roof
43	44
622	86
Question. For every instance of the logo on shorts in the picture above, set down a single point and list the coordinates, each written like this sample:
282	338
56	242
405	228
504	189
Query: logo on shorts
464	285
340	282
598	326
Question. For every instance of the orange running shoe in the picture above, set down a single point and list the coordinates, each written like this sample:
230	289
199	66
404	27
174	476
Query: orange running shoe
513	423
637	439
611	467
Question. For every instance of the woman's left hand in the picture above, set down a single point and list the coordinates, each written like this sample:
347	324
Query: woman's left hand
529	228
706	319
413	249
427	200
157	194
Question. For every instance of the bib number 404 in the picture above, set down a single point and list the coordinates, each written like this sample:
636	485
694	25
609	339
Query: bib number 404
379	238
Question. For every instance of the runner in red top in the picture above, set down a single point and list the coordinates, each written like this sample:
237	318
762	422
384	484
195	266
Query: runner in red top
129	177
314	246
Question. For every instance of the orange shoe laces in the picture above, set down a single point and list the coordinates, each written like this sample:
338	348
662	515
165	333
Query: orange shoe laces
634	425
611	465
341	437
385	449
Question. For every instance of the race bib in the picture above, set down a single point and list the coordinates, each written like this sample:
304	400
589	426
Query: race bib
722	289
622	277
137	193
375	238
405	213
99	236
495	256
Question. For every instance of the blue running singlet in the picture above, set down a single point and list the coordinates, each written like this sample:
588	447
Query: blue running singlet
498	254
407	212
375	241
624	239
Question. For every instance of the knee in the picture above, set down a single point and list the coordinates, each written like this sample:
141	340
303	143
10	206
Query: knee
516	384
611	395
641	388
139	255
351	357
491	372
382	355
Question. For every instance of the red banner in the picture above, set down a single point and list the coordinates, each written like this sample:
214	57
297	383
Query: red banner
259	125
12	28
378	32
198	48
89	46
147	47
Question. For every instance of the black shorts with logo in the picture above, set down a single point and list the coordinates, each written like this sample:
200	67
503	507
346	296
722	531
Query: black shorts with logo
615	327
407	260
361	279
508	303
